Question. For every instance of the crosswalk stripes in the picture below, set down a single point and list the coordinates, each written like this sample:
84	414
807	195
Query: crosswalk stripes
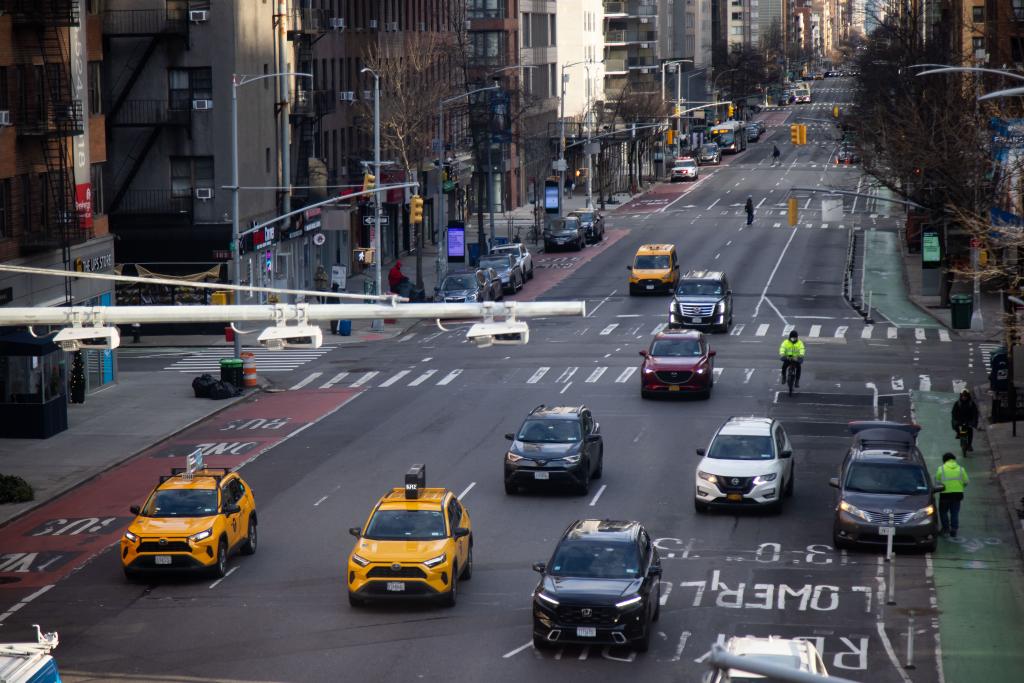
762	329
208	359
815	331
447	379
840	331
312	377
866	332
737	330
567	375
891	333
609	329
334	380
986	355
595	375
397	377
422	378
944	335
919	334
625	375
538	375
364	379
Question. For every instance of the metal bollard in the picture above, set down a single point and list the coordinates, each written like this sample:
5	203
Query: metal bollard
891	588
910	643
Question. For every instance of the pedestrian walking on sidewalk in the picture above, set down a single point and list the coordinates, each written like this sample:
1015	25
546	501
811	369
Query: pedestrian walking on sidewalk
775	154
750	210
953	478
321	281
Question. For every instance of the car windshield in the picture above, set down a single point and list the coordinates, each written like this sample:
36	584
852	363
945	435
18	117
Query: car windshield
699	289
502	262
457	282
788	661
405	525
709	149
686	163
873	477
182	503
679	348
651	262
549	431
565	225
595	560
585	217
741	447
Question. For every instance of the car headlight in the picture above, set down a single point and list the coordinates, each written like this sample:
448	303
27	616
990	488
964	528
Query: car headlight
571	459
130	536
201	536
547	598
765	478
472	297
853	510
512	457
648	370
629	602
923	513
434	561
360	560
701	370
721	306
707	476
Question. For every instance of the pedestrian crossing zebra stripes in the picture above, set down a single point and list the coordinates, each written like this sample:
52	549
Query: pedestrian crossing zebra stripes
208	360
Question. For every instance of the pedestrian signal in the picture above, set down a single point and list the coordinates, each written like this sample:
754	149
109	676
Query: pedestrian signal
363	256
793	211
416	209
670	137
835	111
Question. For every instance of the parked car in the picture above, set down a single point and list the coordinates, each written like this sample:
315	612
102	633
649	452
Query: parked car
884	483
602	586
677	362
556	445
703	299
754	130
749	463
520	253
512	277
710	153
468	286
564	232
684	169
847	154
593	224
796	653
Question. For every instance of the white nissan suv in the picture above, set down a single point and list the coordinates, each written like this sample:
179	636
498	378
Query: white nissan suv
748	463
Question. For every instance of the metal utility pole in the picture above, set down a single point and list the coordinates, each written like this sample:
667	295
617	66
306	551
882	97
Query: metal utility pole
377	325
490	169
561	142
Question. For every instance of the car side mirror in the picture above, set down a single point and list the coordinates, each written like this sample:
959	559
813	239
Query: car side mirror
834	482
134	509
540	567
645	353
231	509
629	267
786	453
593	438
355	531
701	452
510	436
938	488
437	289
460	532
712	354
654	569
728	292
676	266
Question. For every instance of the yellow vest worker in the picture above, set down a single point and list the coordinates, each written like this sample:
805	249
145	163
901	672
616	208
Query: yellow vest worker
792	351
954	478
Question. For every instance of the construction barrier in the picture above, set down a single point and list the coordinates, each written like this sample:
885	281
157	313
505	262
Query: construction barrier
248	369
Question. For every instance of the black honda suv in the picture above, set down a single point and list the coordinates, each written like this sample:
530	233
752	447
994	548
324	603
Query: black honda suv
601	587
557	445
702	300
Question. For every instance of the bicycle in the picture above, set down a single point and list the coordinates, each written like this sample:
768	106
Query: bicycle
791	369
963	435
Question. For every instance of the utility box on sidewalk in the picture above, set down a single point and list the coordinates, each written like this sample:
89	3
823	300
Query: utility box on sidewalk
962	307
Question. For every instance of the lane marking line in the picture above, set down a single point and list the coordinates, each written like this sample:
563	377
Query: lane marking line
658	328
407	337
597	496
334	380
567	374
467	490
306	381
771	277
229	573
447	379
317	504
24	601
565	388
513	653
536	376
626	374
394	378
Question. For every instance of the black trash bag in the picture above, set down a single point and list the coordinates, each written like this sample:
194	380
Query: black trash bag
221	390
202	385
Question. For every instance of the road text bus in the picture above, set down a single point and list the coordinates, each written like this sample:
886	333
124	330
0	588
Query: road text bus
731	136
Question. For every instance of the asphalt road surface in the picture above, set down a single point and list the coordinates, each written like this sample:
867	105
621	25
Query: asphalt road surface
430	397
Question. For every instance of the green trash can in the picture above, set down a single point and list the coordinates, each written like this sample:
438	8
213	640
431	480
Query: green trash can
962	307
231	371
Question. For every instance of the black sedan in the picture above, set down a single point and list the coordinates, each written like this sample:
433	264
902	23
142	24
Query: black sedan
601	587
593	224
555	445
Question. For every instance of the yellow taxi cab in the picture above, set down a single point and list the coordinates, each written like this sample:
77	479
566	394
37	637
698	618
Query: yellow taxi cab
417	543
655	269
193	520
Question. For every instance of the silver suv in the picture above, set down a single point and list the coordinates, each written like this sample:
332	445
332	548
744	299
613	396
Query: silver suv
702	300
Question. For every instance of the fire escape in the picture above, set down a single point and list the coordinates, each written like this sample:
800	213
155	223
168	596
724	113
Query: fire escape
308	105
139	122
52	116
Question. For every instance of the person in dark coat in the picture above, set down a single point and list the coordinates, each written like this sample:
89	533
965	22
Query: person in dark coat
749	208
965	412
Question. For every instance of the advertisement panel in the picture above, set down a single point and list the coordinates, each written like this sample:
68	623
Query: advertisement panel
1008	174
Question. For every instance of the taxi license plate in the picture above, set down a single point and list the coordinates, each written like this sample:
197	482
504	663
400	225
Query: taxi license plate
586	632
697	320
735	496
650	286
541	475
396	586
673	388
162	559
886	531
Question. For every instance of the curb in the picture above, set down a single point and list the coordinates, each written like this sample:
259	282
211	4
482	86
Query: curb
998	456
41	502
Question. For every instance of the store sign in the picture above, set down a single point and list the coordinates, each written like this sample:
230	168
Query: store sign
94	264
83	204
312	220
930	251
264	237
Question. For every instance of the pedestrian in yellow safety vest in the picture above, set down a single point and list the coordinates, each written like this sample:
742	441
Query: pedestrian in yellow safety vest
953	478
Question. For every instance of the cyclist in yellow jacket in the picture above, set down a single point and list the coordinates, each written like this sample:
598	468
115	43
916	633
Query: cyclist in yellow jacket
792	351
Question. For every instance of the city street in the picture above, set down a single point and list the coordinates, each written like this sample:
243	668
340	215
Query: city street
343	424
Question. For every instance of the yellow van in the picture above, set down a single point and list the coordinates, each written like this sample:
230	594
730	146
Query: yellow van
655	269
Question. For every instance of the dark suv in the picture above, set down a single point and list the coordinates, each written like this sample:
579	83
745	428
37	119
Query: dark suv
560	444
564	232
884	487
601	587
702	299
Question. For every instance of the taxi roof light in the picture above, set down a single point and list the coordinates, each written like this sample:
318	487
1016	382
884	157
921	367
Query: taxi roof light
415	480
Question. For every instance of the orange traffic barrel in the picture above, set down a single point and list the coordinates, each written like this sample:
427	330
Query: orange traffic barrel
248	369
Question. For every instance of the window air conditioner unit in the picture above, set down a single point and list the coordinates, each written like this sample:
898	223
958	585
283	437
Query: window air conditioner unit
204	193
5	117
372	23
393	26
346	96
202	104
981	55
367	95
337	23
199	16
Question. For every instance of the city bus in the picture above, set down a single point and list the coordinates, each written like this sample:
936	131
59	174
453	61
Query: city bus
731	136
802	92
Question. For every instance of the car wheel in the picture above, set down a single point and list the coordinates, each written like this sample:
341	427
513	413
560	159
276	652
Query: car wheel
251	538
584	488
839	543
467	571
789	484
510	488
521	283
599	472
452	596
541	644
657	606
643	644
220	567
699	506
354	601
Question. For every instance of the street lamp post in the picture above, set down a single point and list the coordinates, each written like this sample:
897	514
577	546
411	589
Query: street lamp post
698	72
561	141
677	63
377	324
714	87
238	80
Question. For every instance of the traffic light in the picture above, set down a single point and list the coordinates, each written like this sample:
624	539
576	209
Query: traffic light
794	133
793	211
730	111
416	209
835	111
369	182
364	255
803	134
670	137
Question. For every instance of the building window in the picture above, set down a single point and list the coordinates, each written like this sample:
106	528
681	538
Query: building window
1018	9
978	44
5	207
524	27
186	85
978	14
95	99
188	173
552	34
1017	50
96	182
553	80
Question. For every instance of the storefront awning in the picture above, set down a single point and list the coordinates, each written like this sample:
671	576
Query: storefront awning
24	344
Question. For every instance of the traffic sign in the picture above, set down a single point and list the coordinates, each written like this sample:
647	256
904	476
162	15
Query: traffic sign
368	220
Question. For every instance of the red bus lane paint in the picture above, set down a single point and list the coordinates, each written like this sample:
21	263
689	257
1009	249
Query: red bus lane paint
55	539
551	268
